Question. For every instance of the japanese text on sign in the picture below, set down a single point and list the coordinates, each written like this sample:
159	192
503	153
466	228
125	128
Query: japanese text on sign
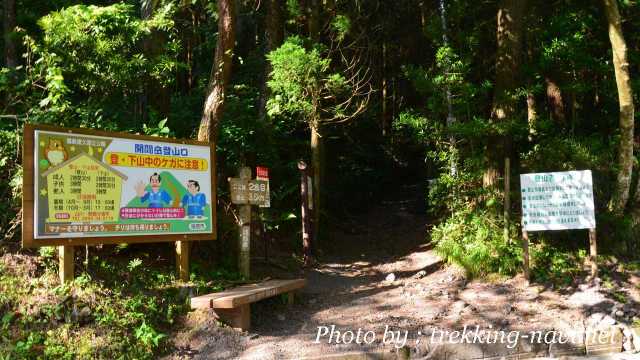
557	201
253	192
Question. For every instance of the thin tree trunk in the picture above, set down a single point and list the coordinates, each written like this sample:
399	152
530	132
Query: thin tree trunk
155	94
314	20
274	35
384	92
10	52
508	60
532	115
625	98
220	73
316	163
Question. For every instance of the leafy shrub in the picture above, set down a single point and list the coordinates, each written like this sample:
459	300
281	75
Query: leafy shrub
474	240
549	264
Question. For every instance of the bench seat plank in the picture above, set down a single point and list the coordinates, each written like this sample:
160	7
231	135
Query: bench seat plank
246	294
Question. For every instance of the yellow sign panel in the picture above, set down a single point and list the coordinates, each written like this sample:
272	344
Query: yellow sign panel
83	189
155	161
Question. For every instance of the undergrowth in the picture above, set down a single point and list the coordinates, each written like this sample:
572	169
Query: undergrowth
116	307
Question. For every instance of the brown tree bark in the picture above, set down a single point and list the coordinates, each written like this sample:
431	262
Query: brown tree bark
532	115
220	73
314	20
274	35
384	87
625	98
10	52
508	60
556	102
316	164
155	94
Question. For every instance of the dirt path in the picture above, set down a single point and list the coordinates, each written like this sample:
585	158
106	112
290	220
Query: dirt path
381	274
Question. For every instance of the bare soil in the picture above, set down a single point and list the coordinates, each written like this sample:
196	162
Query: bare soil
352	289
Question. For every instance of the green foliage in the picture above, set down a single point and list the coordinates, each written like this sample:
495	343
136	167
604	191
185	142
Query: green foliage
473	240
99	90
297	78
117	309
161	129
341	25
550	264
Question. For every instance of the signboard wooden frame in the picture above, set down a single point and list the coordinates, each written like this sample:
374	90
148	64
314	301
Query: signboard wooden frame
28	201
579	224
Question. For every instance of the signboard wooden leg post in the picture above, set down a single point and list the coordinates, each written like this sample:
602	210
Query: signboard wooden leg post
306	228
182	260
593	253
525	255
507	198
66	264
244	256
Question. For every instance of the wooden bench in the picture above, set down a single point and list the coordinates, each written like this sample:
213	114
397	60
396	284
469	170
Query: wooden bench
233	305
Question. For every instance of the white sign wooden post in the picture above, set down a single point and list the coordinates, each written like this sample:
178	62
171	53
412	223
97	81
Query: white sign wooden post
558	201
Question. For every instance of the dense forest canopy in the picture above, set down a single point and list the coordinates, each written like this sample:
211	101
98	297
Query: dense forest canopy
363	89
370	93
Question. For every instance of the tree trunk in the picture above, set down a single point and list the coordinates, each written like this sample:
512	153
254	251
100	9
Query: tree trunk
155	94
384	93
508	60
556	102
625	98
532	115
316	163
220	73
274	35
10	52
314	20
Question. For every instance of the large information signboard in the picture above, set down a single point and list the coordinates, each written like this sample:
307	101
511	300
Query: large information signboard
557	201
84	187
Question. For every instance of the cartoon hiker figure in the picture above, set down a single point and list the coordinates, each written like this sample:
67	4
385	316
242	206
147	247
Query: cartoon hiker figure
156	196
194	200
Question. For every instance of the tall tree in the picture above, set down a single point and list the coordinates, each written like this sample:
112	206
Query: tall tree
508	61
220	72
10	53
155	94
274	35
625	98
555	101
303	84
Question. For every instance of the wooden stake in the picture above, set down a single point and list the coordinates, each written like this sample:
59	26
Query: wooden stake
182	260
593	252
244	255
304	196
507	198
244	260
525	254
66	264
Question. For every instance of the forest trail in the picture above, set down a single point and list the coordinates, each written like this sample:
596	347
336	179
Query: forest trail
383	272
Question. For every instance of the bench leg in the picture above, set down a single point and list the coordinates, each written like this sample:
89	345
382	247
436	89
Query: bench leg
238	318
290	298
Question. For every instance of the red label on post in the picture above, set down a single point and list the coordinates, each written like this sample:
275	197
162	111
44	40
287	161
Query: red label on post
262	173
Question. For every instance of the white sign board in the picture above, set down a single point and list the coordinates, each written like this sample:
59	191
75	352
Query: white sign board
557	201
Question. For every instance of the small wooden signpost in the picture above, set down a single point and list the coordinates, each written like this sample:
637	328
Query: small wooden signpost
558	201
246	192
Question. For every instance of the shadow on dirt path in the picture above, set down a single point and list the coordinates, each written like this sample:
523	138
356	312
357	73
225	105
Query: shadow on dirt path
381	272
